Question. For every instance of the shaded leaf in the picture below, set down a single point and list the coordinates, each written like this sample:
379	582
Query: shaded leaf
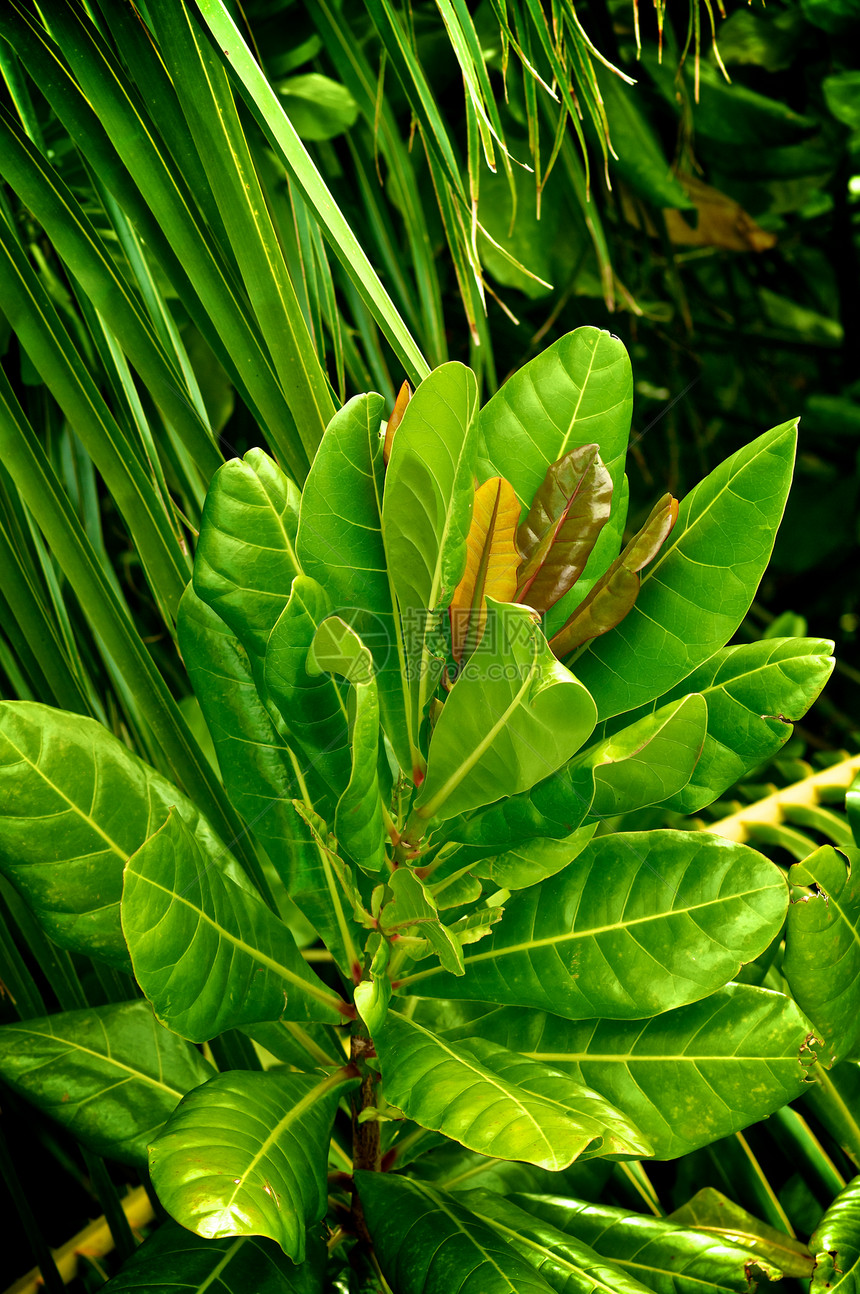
822	946
714	1214
175	1261
110	1074
428	1243
513	716
318	107
492	560
246	1154
639	923
496	1102
76	805
358	819
694	596
685	1077
666	1256
559	533
207	954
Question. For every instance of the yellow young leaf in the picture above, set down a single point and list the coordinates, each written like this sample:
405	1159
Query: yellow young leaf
492	561
404	395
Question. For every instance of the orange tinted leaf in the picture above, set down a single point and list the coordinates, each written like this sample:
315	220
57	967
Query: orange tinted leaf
567	514
492	561
646	544
404	395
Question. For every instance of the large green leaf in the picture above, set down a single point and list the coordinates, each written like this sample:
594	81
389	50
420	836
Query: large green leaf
246	554
513	717
75	805
713	1214
109	1074
426	512
496	1102
646	762
311	703
340	545
697	591
175	1261
822	946
246	1154
834	1099
836	1244
754	693
685	1077
568	1264
640	922
207	954
665	1256
428	1243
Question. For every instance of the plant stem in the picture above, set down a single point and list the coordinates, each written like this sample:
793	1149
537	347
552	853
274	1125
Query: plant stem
366	1148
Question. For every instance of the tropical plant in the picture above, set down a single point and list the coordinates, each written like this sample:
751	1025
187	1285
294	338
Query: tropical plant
450	961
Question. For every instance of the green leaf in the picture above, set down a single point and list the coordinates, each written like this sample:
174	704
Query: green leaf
358	820
640	159
496	1102
110	1074
822	946
175	1261
563	1260
647	762
836	1244
534	861
834	1099
558	535
246	555
428	1243
426	512
373	995
76	805
667	1257
685	1077
641	922
513	716
413	910
340	545
579	391
246	1154
318	107
694	596
453	1167
208	954
310	702
713	1214
754	692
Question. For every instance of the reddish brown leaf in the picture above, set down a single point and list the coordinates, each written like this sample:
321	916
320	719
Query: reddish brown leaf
492	561
567	514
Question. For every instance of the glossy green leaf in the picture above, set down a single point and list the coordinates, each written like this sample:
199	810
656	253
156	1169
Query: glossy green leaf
340	545
534	861
372	995
496	1102
454	1168
667	1257
836	1244
208	954
694	596
428	1243
822	946
640	922
685	1077
358	820
246	1154
246	556
76	805
311	703
557	536
109	1074
412	910
175	1261
513	717
834	1100
579	391
714	1215
754	693
568	1264
426	512
647	762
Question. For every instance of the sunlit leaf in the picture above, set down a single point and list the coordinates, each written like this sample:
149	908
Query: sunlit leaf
492	560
